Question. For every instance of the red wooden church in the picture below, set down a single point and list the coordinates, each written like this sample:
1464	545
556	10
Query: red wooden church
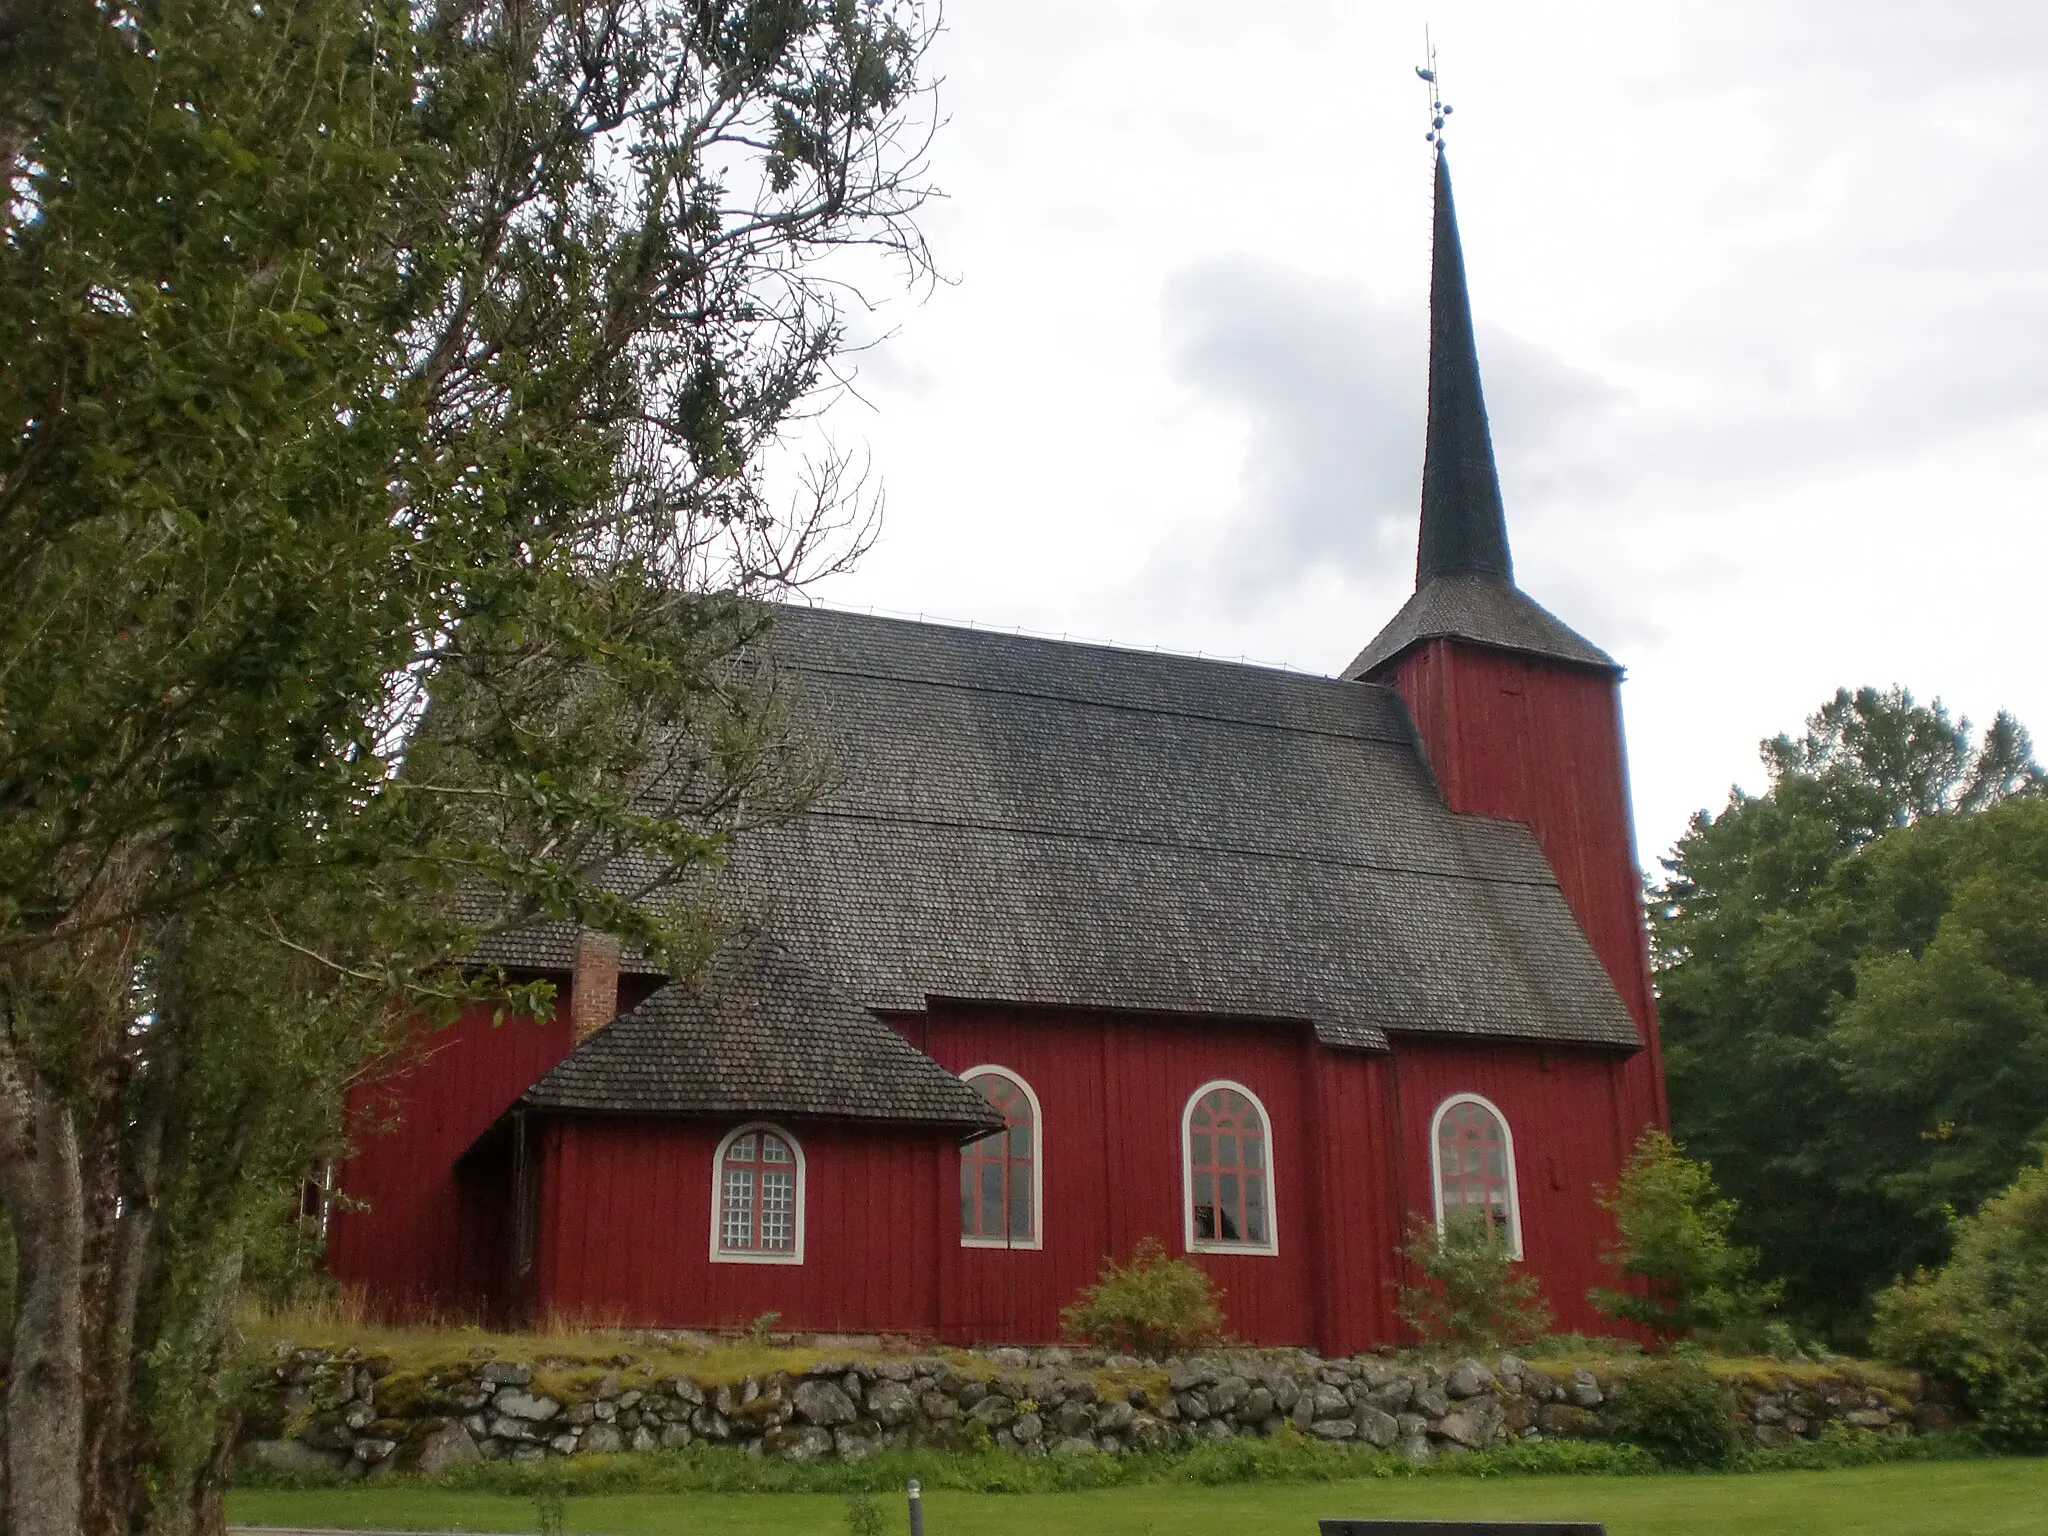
1090	945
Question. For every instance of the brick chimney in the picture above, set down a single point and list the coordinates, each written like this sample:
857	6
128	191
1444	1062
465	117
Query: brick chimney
594	988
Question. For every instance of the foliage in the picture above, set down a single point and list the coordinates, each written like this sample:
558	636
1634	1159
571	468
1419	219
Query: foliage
1678	1412
1154	1305
387	398
1982	1320
1811	1051
1840	1446
1474	1293
863	1517
1680	1274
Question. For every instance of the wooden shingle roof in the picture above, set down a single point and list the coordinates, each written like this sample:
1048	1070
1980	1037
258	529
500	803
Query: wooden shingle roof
758	1033
1038	822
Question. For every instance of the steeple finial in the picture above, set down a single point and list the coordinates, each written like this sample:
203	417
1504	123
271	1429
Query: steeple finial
1464	529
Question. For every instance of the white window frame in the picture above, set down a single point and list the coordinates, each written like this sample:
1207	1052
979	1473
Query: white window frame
1436	1162
1271	1247
724	1255
1037	1163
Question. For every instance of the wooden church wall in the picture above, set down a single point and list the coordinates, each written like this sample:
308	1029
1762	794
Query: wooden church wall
1540	742
430	1239
1564	1111
1112	1090
625	1220
426	1240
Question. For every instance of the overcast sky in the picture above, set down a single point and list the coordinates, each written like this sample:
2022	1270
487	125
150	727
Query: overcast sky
1761	289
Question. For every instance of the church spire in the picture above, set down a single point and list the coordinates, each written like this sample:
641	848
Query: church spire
1464	529
1464	579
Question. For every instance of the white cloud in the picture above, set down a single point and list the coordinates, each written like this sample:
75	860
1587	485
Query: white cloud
1760	291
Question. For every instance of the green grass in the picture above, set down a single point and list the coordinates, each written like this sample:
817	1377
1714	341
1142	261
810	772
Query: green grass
1963	1498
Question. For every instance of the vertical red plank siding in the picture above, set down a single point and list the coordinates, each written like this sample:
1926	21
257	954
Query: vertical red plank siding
1564	1113
1540	742
427	1237
627	1209
1357	1127
1112	1091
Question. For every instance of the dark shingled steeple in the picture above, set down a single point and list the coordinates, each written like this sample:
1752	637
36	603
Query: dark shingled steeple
1464	529
1464	576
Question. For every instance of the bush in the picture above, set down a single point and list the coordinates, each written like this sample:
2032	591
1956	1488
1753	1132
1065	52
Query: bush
1154	1305
1675	1410
1672	1244
1982	1321
1475	1295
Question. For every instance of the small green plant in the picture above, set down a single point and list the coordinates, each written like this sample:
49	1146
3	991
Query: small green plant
1780	1342
549	1510
1680	1274
1982	1320
864	1517
759	1329
1474	1293
1154	1305
1675	1410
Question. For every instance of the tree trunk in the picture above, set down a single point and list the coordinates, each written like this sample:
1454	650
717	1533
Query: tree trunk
45	1387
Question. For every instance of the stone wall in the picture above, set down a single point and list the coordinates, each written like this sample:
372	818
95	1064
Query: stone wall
327	1413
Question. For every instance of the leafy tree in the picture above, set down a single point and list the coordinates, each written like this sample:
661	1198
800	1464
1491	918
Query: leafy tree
1474	1293
1758	929
1982	1320
1679	1272
1943	1044
387	393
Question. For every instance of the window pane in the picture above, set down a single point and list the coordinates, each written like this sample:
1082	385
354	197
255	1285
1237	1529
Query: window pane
1255	1152
742	1150
1255	1209
1229	1199
1020	1140
1205	1222
1199	1152
775	1150
737	1227
1020	1209
1226	1151
778	1211
967	1187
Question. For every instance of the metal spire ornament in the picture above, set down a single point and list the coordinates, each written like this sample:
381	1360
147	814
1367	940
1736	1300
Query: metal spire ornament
1426	73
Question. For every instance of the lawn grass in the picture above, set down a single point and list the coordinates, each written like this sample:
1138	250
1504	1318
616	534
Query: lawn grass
1965	1498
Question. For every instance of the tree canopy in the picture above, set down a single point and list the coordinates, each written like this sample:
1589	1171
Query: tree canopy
388	393
1849	979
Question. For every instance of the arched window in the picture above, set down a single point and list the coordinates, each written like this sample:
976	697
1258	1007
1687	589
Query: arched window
1227	1157
1473	1154
999	1187
757	1197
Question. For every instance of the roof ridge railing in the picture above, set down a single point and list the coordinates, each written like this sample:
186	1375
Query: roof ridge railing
874	610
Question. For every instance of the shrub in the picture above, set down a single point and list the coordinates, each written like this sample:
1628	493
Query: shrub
864	1517
1474	1294
1675	1410
1672	1252
1982	1321
1154	1305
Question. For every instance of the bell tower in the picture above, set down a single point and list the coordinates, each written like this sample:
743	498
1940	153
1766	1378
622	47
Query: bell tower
1520	716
